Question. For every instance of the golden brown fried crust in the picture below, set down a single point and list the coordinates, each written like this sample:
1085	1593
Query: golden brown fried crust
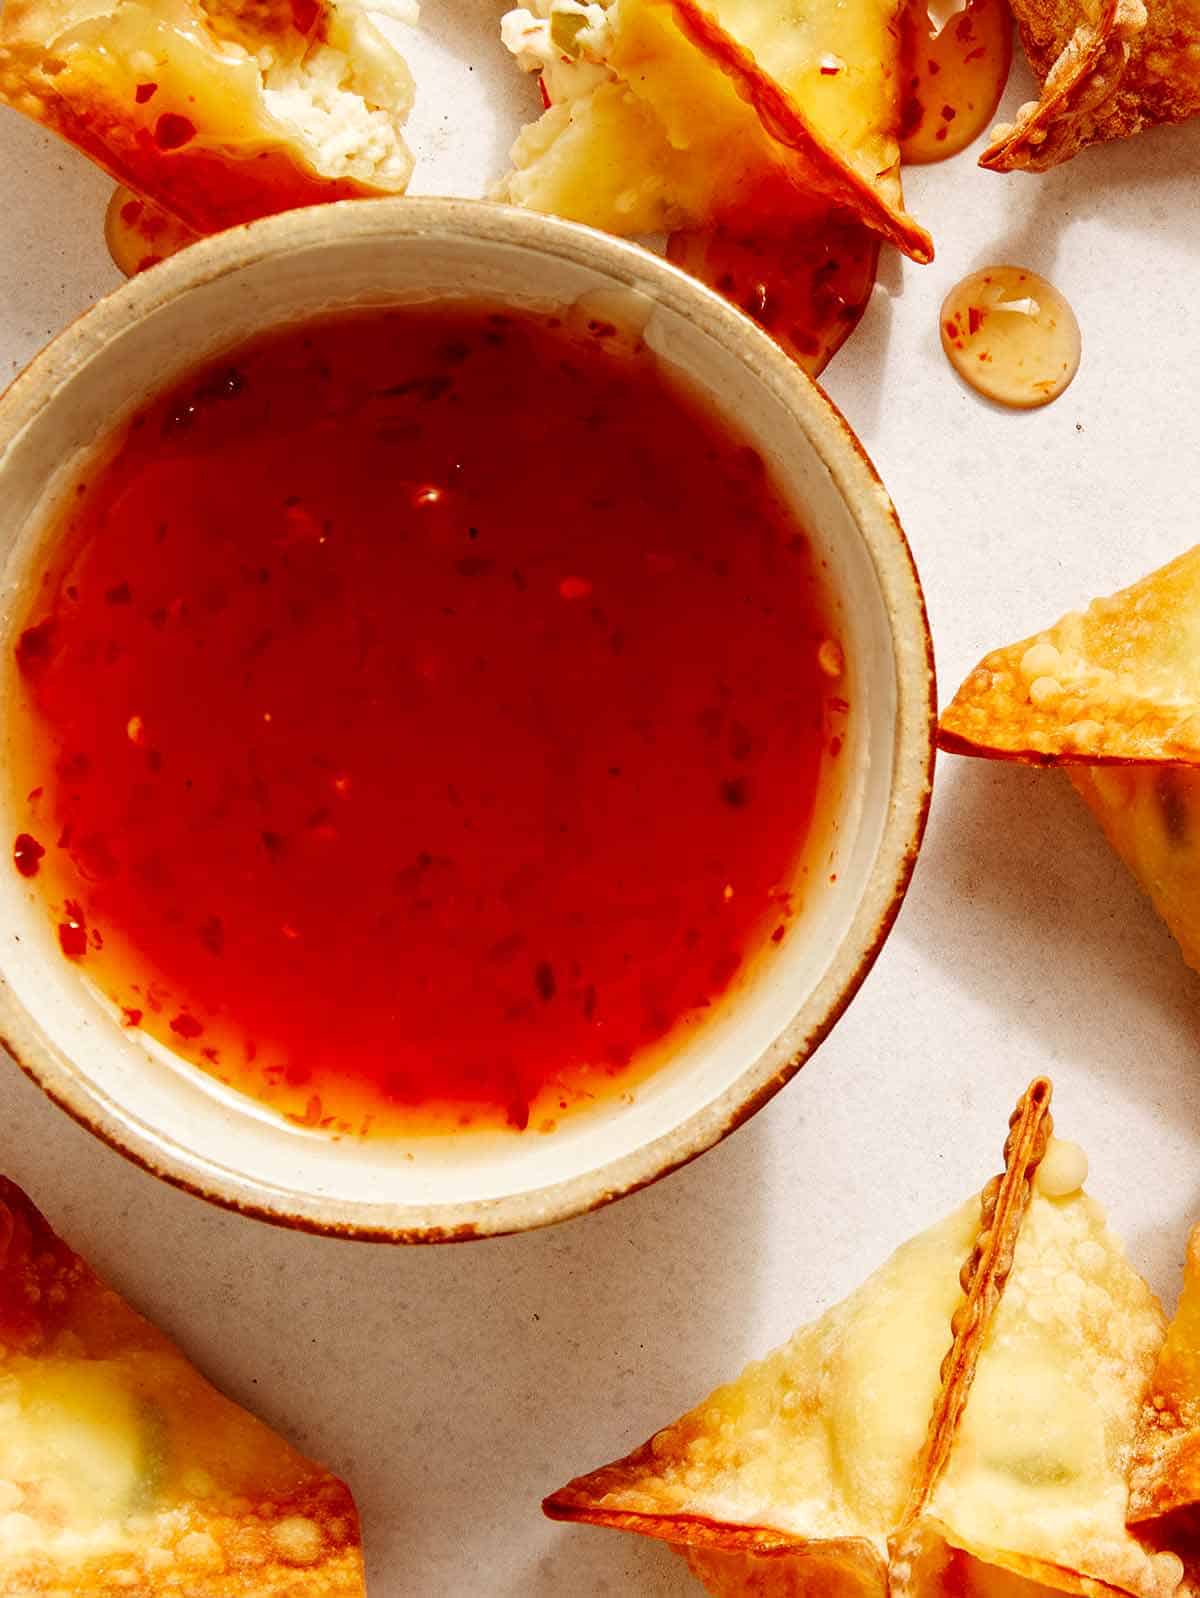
581	1500
938	1566
40	1277
741	1561
209	189
1117	683
1131	65
952	1507
235	1512
1003	1204
233	1555
1112	694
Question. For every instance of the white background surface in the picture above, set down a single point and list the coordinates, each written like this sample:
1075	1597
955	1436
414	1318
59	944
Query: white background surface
454	1387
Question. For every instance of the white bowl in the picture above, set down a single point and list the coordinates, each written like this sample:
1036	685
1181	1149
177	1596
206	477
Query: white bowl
184	1126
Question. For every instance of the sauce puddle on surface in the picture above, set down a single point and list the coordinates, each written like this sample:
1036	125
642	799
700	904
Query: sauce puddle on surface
420	718
1011	335
806	282
953	75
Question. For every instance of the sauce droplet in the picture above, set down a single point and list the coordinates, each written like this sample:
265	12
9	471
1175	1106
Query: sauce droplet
953	76
806	285
1011	335
139	234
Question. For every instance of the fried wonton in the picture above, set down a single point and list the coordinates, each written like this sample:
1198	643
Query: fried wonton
219	111
670	114
1119	681
962	1424
1113	695
1108	69
122	1472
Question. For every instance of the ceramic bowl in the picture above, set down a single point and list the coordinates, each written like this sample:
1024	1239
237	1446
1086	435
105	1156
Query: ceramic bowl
187	1128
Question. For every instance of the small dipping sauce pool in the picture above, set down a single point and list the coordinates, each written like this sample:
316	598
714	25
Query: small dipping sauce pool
421	716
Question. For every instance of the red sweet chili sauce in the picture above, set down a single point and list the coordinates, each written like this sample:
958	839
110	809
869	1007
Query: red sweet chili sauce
421	718
806	281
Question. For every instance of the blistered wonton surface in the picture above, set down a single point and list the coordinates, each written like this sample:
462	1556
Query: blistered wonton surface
1108	68
220	111
960	1427
668	114
123	1472
1119	681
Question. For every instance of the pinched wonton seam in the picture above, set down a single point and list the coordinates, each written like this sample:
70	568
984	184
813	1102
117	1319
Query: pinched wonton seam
1003	1205
816	1444
815	1473
1079	85
1038	1480
1131	65
1024	1468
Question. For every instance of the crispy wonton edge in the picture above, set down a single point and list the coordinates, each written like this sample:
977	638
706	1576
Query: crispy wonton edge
958	743
994	715
1086	74
787	126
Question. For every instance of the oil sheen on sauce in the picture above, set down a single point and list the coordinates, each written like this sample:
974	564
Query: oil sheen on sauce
421	717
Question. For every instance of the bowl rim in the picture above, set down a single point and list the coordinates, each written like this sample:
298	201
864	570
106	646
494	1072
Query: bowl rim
68	1084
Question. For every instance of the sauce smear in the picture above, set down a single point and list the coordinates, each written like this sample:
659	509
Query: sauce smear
806	283
421	718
